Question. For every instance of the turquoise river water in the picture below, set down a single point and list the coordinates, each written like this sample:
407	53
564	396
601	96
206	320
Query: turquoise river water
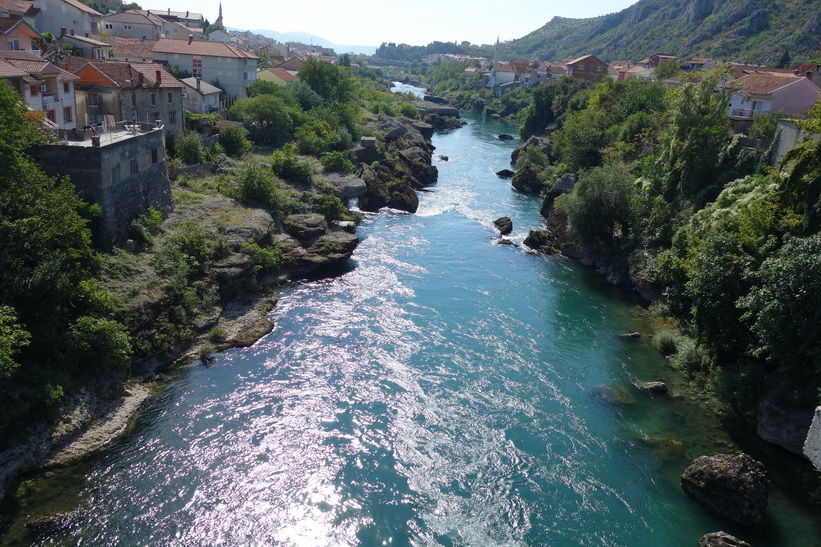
439	390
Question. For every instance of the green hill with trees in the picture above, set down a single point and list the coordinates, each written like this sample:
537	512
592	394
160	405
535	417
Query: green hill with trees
755	31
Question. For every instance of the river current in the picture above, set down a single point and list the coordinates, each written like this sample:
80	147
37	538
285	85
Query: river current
441	389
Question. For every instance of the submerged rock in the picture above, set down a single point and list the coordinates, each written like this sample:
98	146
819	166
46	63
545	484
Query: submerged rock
721	539
665	446
505	137
733	485
51	523
505	174
630	335
541	241
651	387
616	395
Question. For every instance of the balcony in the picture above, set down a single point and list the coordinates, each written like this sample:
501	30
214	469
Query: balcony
744	113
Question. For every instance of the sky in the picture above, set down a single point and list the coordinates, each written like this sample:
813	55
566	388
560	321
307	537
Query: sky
417	22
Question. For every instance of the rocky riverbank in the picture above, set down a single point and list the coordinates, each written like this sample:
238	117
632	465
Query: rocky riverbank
232	299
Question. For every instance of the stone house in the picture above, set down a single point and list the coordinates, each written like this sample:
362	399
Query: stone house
129	49
44	86
587	67
232	67
72	15
88	47
144	92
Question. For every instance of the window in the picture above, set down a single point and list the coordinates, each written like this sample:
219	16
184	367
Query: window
13	44
93	99
153	99
127	27
52	115
581	68
197	65
244	75
598	69
172	117
170	98
109	26
134	100
134	168
67	117
66	87
115	174
154	155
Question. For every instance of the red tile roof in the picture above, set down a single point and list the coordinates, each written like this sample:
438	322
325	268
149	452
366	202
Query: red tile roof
34	65
8	70
763	83
125	74
199	47
133	48
82	7
13	7
282	73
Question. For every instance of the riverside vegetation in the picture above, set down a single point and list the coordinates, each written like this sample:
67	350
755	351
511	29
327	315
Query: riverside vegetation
78	319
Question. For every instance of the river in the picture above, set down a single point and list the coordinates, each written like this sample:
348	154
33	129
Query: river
438	390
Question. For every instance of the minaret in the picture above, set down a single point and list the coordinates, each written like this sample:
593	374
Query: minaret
496	54
219	19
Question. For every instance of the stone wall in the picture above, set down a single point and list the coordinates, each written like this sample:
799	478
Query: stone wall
124	177
789	135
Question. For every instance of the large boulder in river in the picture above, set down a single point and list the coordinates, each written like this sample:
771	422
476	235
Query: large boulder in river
416	163
504	225
527	180
733	485
386	188
505	174
403	196
721	539
782	426
541	241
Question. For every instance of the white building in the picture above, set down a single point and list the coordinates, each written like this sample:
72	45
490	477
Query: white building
199	96
72	15
232	67
134	24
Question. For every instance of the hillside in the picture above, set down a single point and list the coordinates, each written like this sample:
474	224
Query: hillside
742	30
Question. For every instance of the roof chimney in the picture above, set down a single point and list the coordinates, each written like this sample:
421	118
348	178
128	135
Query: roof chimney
140	78
72	32
186	14
190	39
159	76
62	31
198	84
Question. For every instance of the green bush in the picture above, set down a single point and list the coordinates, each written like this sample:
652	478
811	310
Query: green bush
189	148
409	111
265	257
337	162
664	341
234	140
317	137
258	185
600	201
101	343
144	227
330	206
287	165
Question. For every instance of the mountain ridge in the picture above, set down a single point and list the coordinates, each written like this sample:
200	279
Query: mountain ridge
751	30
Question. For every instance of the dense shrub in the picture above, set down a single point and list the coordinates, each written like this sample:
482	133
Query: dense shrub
337	162
189	148
287	165
257	185
234	140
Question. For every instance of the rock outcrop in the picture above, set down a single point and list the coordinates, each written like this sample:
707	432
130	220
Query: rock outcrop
527	180
344	185
812	446
504	225
505	174
721	539
542	241
782	426
542	143
733	485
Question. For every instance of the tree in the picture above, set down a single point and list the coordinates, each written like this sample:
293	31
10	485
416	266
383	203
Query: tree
234	141
582	139
332	83
784	308
600	202
692	141
12	338
667	68
269	118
